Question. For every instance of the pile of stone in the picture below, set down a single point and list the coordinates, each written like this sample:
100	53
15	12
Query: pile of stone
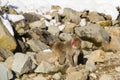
26	40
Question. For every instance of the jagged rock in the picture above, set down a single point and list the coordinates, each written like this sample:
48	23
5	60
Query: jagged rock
5	73
65	36
105	23
12	10
56	16
40	24
55	7
31	17
46	67
4	53
80	75
94	33
43	35
90	66
71	15
95	17
57	76
22	63
86	45
106	77
37	45
69	27
53	30
42	56
117	69
7	41
20	27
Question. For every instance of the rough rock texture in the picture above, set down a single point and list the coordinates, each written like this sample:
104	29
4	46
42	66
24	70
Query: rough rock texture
7	41
93	33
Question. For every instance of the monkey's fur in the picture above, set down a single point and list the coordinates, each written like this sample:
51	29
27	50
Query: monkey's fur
67	51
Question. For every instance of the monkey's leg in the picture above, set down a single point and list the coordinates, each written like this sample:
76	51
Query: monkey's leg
70	59
75	57
61	59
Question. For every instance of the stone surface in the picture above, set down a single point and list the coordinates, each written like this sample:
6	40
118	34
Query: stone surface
40	24
83	22
22	63
53	30
37	45
80	75
9	62
71	15
94	33
117	69
57	76
107	77
39	78
95	17
4	53
7	41
69	27
65	36
46	67
5	73
86	45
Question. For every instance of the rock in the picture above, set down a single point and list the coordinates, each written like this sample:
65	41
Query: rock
56	16
86	45
69	27
1	59
105	23
90	66
93	33
117	69
7	41
42	56
71	15
5	73
97	56
43	35
46	67
80	75
71	70
57	76
95	17
31	17
53	30
37	45
39	78
4	53
55	7
40	24
12	11
9	62
65	36
83	22
22	63
106	77
20	27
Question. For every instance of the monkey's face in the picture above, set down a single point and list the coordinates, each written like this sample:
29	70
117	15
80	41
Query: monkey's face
76	43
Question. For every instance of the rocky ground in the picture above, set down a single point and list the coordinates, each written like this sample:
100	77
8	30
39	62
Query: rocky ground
26	53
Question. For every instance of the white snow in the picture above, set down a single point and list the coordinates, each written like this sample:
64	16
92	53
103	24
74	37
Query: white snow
13	17
7	25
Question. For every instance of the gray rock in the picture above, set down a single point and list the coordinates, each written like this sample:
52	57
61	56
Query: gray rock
53	30
39	78
65	36
94	33
86	45
22	63
71	15
80	75
5	74
90	66
83	22
106	77
46	67
37	45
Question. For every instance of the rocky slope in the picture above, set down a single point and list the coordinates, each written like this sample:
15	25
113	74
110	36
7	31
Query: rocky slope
25	51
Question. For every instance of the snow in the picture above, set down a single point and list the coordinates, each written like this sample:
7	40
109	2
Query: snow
8	25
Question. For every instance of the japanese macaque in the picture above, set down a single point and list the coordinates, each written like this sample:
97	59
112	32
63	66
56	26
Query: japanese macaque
67	51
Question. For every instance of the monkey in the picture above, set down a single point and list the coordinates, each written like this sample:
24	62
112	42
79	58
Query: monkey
67	51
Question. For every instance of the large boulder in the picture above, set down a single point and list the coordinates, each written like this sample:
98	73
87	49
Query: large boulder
22	63
7	41
93	33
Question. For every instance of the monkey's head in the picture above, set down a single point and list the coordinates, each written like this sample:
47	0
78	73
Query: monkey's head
76	43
